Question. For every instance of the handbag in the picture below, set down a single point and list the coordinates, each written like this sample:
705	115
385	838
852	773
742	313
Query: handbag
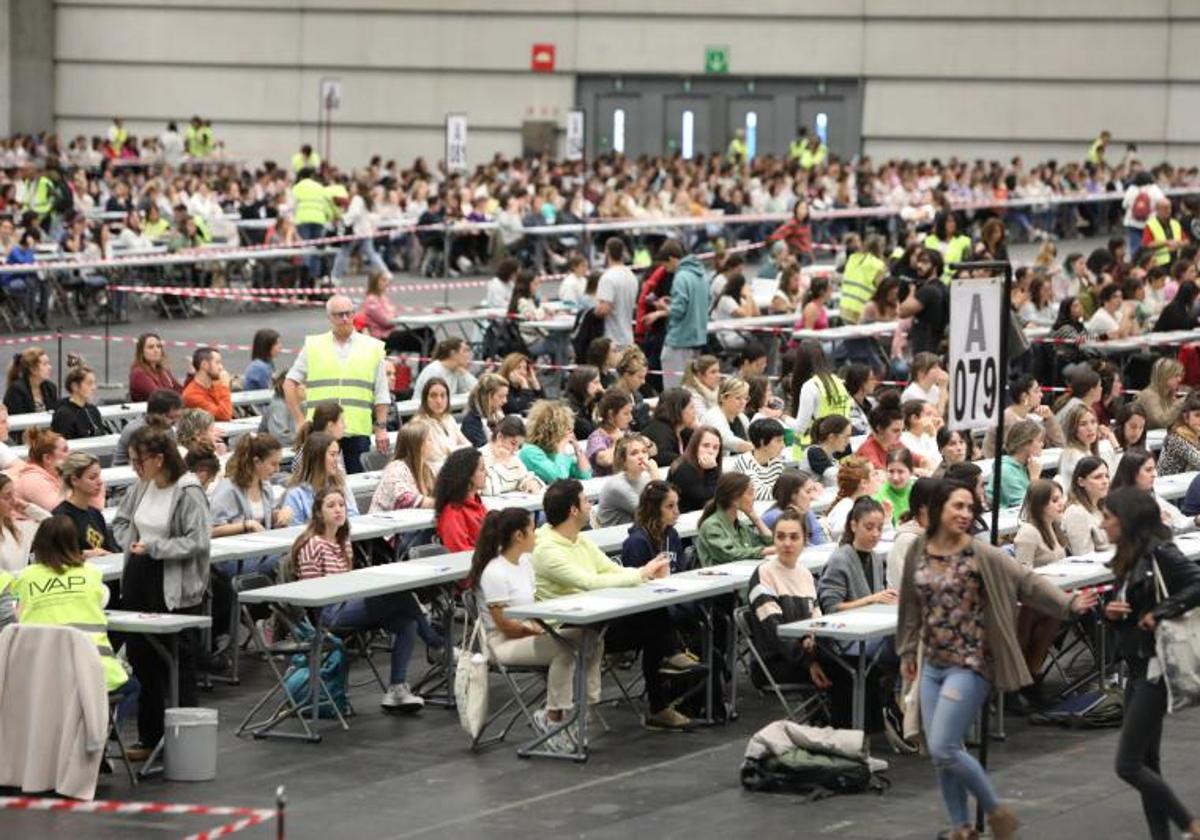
471	682
1177	647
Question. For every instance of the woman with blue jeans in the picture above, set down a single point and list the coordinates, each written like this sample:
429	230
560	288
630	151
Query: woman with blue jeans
958	607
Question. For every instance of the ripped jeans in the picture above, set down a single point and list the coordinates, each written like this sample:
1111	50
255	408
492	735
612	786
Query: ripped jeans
950	701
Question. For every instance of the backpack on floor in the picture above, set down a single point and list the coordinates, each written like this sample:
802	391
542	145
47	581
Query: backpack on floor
1088	710
334	674
812	762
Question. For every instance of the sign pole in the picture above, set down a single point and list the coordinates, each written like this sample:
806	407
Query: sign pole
1001	387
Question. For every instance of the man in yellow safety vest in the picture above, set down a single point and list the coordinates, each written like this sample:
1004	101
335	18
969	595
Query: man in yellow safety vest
813	154
860	276
738	151
1163	234
312	211
1095	154
797	146
348	368
306	158
117	136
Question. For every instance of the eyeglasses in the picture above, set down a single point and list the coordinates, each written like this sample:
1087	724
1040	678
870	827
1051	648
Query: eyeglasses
343	315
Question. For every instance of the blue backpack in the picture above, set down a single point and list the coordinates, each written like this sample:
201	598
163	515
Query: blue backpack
334	674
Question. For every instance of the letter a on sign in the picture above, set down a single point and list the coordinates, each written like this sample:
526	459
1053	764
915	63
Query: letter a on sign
976	381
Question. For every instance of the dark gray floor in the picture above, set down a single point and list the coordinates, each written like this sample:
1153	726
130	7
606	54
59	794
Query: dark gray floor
413	776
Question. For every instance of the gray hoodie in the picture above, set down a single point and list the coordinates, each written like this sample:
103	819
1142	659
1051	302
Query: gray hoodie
184	554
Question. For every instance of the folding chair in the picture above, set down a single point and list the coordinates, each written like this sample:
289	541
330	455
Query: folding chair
275	653
812	699
439	675
524	697
114	732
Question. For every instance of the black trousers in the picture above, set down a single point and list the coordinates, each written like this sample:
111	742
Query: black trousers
1138	761
654	634
142	591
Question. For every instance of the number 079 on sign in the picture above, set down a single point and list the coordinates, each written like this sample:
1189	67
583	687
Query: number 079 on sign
976	380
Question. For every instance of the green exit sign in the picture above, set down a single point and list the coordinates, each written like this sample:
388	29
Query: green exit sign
716	59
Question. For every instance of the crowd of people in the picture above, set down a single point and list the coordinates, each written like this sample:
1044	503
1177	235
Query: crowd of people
777	444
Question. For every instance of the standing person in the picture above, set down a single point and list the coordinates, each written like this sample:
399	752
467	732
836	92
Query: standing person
164	526
347	367
616	296
929	307
263	349
209	388
1163	235
1155	582
311	212
816	390
324	549
687	320
654	304
29	386
150	371
76	416
958	601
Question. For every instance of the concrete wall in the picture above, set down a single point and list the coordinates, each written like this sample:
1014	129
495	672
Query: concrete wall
1037	77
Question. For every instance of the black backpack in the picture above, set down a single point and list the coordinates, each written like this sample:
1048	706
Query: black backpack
503	336
588	326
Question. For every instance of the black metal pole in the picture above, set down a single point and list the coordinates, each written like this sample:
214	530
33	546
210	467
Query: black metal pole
280	806
108	305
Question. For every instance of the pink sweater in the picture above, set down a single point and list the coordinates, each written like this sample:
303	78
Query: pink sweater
379	313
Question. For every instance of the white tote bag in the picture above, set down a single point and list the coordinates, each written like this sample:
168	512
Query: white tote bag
1177	648
471	682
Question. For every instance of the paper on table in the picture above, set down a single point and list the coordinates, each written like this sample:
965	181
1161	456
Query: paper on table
681	583
407	569
582	603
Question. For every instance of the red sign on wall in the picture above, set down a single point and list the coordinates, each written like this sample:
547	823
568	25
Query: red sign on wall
541	58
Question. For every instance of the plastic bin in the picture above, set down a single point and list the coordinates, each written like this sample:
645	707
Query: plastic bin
191	745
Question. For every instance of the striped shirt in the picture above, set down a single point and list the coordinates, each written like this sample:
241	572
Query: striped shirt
762	476
319	557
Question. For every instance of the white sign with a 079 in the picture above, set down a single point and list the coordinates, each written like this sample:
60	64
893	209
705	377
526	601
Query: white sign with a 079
976	381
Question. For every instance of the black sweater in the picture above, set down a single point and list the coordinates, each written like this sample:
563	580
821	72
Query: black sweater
73	421
694	485
1182	579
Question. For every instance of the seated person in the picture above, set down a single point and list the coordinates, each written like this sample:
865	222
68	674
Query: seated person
320	469
506	472
797	490
457	506
620	491
694	474
503	577
764	463
653	533
723	536
831	439
566	561
324	549
551	450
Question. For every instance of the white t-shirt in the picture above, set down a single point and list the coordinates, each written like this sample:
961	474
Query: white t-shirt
571	289
1153	192
916	392
153	514
1102	322
504	584
619	286
7	456
726	306
499	293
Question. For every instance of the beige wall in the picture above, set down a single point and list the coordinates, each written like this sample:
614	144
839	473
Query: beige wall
1036	77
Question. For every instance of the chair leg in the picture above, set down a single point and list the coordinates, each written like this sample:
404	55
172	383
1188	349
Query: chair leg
115	730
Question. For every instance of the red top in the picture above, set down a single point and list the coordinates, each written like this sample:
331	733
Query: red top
877	455
459	525
798	236
645	302
143	382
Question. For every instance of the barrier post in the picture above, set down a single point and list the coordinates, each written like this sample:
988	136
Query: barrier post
58	336
280	806
446	265
108	304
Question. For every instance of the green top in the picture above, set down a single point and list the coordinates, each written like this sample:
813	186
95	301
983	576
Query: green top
1014	482
720	540
550	468
898	499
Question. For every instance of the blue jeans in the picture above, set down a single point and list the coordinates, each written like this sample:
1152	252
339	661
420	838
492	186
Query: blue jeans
397	614
366	249
950	701
311	230
1133	241
129	699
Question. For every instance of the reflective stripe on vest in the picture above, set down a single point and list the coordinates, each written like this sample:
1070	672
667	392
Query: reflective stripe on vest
836	403
859	277
1162	254
351	384
70	599
311	203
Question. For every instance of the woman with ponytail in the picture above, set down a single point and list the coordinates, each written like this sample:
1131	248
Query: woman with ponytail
502	576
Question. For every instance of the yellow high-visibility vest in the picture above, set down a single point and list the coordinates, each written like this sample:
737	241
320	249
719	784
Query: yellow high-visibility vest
1162	254
859	277
310	203
351	385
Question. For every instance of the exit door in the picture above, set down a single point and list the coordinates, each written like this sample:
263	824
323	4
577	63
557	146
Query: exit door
756	117
687	126
618	125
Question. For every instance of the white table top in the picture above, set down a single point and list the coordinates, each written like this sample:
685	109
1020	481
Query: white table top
154	624
874	621
364	583
125	411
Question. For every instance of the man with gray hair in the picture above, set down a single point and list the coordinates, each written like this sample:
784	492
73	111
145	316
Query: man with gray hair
348	368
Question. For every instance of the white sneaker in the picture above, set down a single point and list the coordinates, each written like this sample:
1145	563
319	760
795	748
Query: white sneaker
400	697
464	264
560	742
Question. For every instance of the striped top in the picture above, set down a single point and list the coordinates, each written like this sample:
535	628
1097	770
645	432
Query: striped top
762	476
319	557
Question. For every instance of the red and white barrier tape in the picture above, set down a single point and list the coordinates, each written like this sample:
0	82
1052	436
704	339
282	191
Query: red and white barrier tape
247	817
